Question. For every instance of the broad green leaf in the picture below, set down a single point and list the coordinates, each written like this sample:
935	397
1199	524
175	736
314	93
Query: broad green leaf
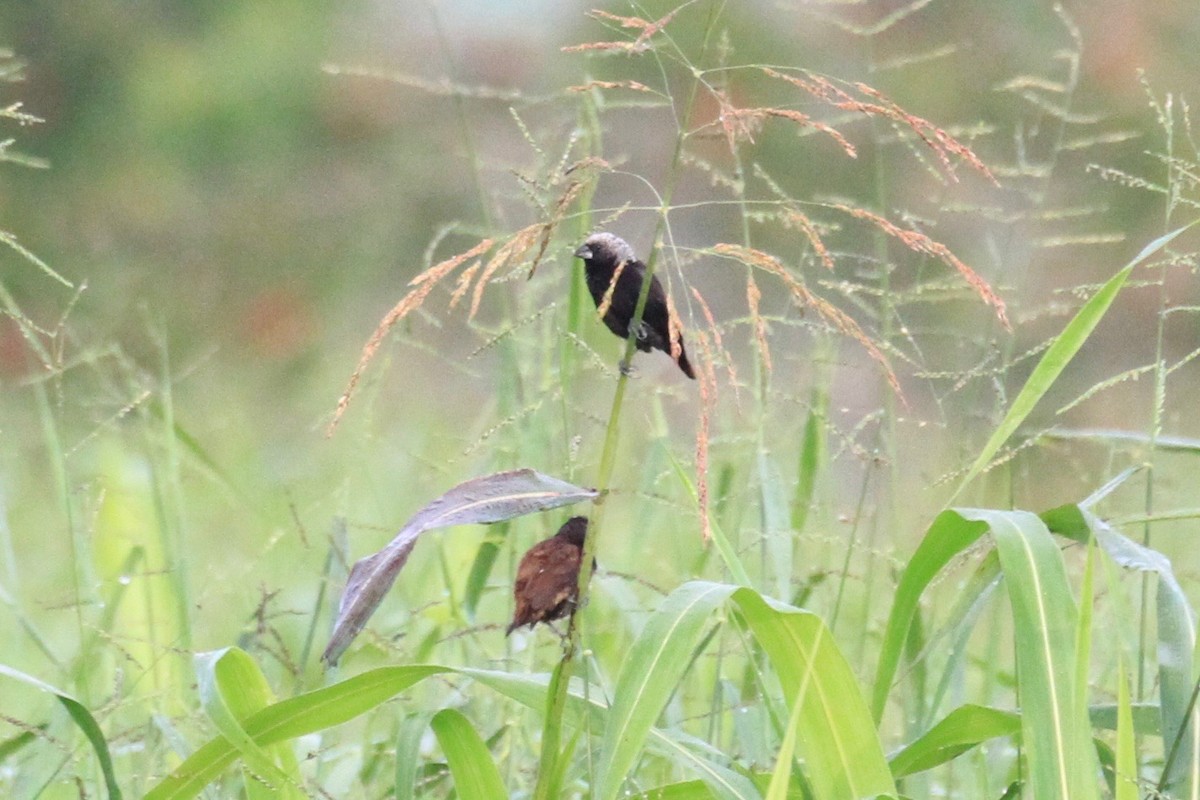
1055	728
1083	633
471	765
231	689
82	718
303	714
1176	640
962	729
837	738
1058	356
972	599
650	675
333	705
949	535
724	783
1055	725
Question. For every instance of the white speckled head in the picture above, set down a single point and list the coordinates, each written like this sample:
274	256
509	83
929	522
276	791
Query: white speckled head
599	244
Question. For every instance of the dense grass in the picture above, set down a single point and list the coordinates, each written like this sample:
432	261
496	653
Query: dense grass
898	539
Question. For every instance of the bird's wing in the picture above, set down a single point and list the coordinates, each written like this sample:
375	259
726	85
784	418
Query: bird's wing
563	574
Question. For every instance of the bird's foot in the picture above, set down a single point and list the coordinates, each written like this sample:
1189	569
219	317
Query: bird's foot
626	368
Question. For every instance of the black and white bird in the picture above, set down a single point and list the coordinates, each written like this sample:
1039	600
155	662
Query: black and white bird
602	254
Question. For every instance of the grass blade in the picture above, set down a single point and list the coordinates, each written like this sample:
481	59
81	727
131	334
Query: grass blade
83	718
1126	778
722	782
836	734
232	688
1059	354
725	549
1176	641
471	764
408	754
813	455
651	674
287	719
949	535
1055	727
962	729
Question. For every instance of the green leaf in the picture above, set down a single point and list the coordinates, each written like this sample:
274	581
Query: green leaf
82	718
776	526
1146	718
722	782
650	675
1083	633
1126	779
471	764
1176	640
836	735
962	729
949	535
303	714
781	775
685	790
812	457
408	754
16	743
1055	727
481	567
1058	355
231	689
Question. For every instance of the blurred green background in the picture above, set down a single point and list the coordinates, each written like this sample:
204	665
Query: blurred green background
238	193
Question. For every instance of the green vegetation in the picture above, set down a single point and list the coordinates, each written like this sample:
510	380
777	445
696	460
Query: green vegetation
920	528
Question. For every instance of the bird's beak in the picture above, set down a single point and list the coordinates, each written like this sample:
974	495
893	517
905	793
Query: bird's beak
584	252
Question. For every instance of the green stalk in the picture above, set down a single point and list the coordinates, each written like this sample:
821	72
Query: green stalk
550	769
56	458
1156	417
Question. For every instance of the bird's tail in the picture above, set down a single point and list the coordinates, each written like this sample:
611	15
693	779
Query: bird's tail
683	362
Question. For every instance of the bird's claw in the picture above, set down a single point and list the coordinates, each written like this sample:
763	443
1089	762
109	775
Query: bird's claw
626	368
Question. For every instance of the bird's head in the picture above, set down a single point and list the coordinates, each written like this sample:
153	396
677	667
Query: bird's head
605	248
574	530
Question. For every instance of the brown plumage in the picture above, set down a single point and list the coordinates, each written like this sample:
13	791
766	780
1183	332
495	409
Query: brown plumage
548	577
602	253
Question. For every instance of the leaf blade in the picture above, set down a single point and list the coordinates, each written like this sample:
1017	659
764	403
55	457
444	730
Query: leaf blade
1059	355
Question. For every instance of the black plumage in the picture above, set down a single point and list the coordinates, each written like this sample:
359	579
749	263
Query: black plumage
547	584
602	254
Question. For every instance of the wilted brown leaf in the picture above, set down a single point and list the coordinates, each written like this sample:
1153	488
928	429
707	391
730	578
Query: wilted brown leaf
491	498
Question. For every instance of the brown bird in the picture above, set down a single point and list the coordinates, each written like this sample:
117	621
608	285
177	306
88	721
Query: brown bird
548	577
602	253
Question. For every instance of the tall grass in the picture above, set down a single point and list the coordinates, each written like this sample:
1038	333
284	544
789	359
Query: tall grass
870	552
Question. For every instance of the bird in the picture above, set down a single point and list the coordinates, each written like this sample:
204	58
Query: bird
547	584
602	254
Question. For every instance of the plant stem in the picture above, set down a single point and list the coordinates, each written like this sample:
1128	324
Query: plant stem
549	771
